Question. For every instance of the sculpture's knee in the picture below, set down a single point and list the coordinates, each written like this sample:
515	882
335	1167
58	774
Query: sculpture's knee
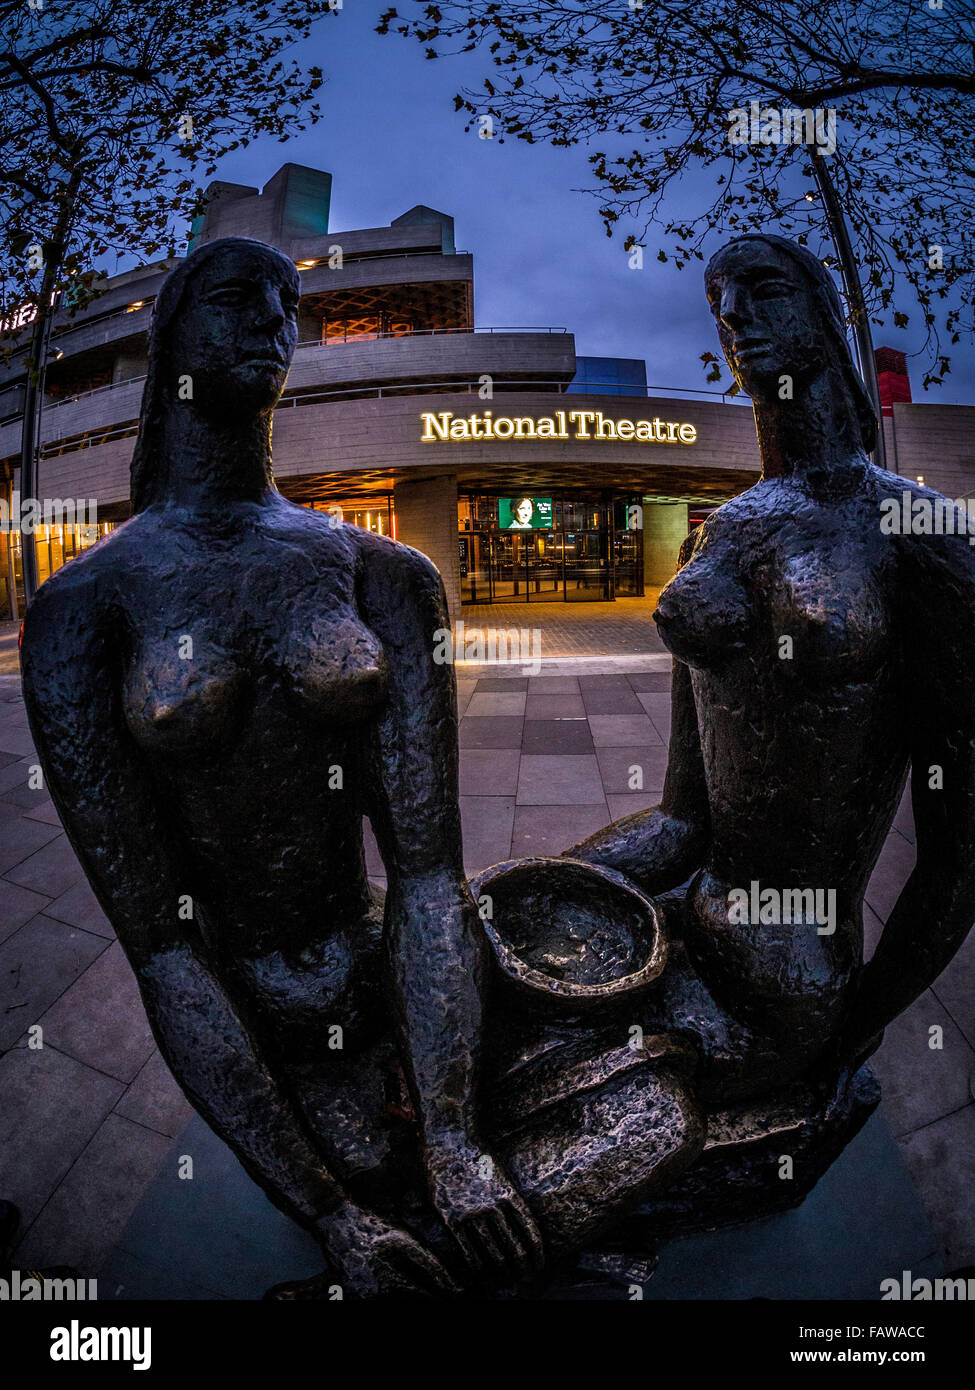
589	1159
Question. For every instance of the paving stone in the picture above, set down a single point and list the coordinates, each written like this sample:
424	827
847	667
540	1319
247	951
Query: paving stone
52	869
10	808
24	795
80	908
374	860
615	765
17	740
553	685
872	928
465	689
904	819
941	1160
155	1100
615	701
100	1020
557	736
221	1223
44	812
555	706
551	829
620	806
38	963
124	1277
52	1105
559	781
489	772
622	730
506	685
608	682
17	906
921	1084
955	988
656	703
21	838
891	872
87	1214
14	775
658	681
492	731
487	823
493	703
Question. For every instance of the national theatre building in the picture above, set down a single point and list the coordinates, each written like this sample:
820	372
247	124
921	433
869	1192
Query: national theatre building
526	472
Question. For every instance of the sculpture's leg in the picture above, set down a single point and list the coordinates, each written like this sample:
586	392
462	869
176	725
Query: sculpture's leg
583	1163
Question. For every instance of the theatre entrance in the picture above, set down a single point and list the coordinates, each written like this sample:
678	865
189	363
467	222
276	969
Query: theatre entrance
568	550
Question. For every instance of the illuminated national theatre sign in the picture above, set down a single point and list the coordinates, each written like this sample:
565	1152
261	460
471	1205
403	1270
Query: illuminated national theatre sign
444	426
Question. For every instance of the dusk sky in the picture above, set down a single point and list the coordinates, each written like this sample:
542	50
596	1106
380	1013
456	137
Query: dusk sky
390	139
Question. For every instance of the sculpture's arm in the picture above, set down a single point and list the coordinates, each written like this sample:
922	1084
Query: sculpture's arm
127	849
936	907
436	947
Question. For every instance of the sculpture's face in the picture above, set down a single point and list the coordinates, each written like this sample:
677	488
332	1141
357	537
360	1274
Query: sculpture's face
767	318
236	331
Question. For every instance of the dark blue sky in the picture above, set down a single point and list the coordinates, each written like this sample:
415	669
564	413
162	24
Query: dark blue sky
390	139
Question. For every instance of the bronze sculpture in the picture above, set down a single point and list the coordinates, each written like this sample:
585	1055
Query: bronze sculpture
221	689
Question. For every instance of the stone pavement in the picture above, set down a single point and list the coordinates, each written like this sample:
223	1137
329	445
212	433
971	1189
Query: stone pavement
9	653
87	1119
576	629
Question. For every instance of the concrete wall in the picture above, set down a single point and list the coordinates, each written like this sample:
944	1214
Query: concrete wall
382	436
392	270
936	441
664	529
436	357
426	519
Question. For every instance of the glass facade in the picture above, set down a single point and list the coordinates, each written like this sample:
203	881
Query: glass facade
590	554
372	514
56	545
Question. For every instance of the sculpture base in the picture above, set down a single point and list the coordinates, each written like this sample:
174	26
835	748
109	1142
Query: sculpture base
763	1159
219	1237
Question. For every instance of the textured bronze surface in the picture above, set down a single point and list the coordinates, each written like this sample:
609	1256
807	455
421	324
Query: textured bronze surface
221	689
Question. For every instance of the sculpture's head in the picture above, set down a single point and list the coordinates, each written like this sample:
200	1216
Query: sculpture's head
778	313
223	334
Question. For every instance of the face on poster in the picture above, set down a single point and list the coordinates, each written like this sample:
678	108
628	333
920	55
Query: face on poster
525	513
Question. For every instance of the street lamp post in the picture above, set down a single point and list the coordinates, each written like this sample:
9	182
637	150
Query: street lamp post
854	296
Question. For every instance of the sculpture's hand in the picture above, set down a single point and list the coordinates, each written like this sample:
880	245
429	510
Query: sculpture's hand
374	1259
483	1210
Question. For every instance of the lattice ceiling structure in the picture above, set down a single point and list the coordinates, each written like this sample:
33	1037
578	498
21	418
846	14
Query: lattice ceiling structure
671	484
437	305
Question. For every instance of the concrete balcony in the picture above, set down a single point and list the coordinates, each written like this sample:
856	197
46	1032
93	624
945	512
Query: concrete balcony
424	358
117	329
381	437
97	411
436	357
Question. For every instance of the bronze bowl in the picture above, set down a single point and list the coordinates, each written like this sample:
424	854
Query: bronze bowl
577	933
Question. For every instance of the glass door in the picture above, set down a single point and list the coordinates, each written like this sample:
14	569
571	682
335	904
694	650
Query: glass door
587	569
543	557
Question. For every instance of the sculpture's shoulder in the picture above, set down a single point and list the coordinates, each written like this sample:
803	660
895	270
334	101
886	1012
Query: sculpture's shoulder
71	603
388	565
934	533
